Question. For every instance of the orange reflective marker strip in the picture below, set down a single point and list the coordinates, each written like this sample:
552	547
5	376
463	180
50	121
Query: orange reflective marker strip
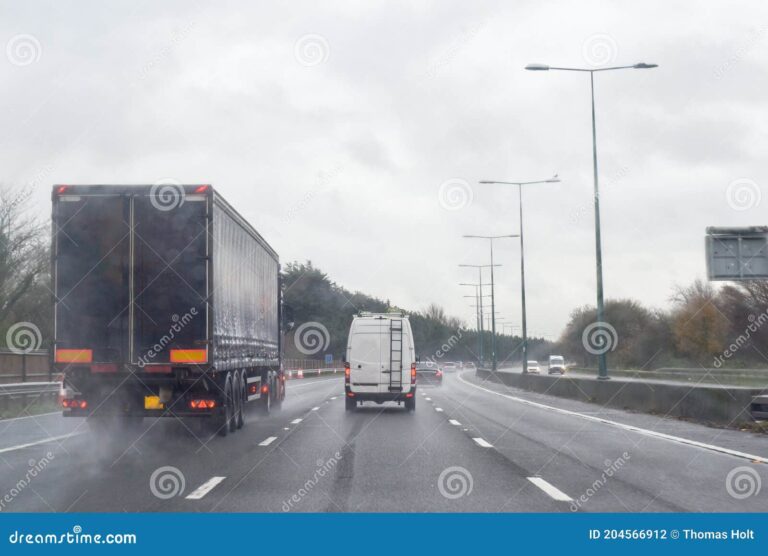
189	356
74	355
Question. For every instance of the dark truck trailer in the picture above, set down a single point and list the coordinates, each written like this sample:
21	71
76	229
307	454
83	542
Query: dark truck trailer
166	303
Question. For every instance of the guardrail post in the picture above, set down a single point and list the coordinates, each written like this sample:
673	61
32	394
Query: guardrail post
23	367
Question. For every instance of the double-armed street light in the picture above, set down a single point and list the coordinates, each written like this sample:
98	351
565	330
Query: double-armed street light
520	184
493	298
602	362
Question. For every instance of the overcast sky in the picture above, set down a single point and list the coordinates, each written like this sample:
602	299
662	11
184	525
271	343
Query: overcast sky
354	134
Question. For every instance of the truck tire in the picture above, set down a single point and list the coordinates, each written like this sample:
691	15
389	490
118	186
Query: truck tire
280	389
265	402
350	404
224	419
237	396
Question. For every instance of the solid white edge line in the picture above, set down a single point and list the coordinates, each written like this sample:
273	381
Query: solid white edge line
632	428
483	442
205	488
454	422
29	417
37	442
267	441
551	490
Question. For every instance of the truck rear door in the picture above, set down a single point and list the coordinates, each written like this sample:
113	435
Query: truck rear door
131	279
170	281
92	237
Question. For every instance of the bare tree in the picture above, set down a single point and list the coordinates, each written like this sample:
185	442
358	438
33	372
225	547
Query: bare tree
23	252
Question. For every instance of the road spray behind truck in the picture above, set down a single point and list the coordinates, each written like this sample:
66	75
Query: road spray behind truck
166	303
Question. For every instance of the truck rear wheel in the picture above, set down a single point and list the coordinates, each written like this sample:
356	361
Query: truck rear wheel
237	396
265	402
223	423
280	392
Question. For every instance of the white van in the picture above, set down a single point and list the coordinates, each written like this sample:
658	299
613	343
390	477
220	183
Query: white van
380	361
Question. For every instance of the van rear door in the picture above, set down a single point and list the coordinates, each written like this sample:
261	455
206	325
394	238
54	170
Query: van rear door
365	358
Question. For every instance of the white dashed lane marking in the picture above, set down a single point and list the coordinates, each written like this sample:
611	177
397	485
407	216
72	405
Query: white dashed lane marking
482	442
552	491
267	441
454	422
296	421
205	488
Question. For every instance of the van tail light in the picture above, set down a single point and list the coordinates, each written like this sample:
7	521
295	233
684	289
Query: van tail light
265	389
346	374
438	373
413	373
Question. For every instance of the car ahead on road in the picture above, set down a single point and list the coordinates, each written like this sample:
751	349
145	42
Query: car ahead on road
449	367
381	361
428	374
556	365
470	366
533	367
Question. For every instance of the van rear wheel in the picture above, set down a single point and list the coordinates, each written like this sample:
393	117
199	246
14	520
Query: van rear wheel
350	404
410	404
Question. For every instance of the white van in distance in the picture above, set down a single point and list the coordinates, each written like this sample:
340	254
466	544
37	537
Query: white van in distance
381	361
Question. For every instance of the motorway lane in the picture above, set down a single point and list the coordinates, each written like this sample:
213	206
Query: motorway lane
313	456
573	453
91	472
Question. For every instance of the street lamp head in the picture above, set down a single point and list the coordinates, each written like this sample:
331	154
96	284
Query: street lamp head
643	65
537	67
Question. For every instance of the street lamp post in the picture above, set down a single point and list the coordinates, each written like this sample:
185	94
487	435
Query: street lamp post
480	268
493	297
520	185
602	373
479	313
